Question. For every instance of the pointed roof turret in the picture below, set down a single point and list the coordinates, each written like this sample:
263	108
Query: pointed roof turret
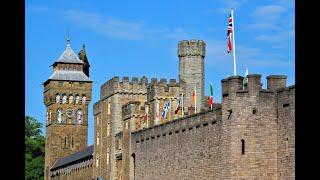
68	55
83	55
69	67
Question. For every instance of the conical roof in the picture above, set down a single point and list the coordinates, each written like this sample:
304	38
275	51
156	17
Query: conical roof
68	56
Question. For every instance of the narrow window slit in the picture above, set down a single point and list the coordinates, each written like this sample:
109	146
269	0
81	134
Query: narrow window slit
242	146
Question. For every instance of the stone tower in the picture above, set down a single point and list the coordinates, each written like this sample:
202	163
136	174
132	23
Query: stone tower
191	55
83	56
67	94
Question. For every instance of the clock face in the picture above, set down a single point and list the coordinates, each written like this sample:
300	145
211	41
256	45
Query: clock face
69	112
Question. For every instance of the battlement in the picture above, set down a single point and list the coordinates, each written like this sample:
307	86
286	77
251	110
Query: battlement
114	85
285	96
187	123
191	48
163	82
276	82
162	88
233	85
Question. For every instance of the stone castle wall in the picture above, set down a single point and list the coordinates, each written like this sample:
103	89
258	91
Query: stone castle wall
108	119
250	137
186	148
191	55
250	128
286	132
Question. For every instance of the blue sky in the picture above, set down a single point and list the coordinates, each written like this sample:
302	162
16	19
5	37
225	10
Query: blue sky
136	38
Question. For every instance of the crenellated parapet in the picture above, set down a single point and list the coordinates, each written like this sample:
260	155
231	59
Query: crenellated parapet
285	96
125	86
233	85
191	48
162	89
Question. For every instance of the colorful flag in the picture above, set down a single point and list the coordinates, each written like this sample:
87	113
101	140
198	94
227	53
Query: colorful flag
177	106
229	34
157	113
165	109
211	96
194	99
146	112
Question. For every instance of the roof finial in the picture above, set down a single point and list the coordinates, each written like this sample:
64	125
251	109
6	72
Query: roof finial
68	39
83	47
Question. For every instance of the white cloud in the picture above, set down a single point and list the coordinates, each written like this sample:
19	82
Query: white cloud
107	26
279	37
228	4
217	53
123	29
264	25
269	63
269	12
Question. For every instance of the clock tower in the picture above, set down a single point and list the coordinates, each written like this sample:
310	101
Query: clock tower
67	94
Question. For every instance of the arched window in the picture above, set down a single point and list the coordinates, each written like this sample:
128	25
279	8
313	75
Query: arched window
59	115
77	99
97	160
84	98
108	151
64	99
70	99
79	116
50	113
108	128
57	98
109	107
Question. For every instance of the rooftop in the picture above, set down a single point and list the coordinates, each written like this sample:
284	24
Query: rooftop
69	75
68	56
74	157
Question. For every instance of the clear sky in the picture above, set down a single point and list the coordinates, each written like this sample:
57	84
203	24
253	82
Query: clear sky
136	38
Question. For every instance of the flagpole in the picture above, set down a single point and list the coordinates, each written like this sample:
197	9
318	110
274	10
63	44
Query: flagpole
195	99
211	94
234	45
182	109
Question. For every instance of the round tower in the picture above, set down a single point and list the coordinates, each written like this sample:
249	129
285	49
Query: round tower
191	55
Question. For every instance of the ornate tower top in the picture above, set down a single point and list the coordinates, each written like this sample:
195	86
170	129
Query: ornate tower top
68	67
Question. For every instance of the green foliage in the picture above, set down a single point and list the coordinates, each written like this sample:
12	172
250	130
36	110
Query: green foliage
34	149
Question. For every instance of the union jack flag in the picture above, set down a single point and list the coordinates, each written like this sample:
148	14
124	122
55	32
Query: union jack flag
229	34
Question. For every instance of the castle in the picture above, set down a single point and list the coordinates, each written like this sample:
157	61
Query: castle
249	135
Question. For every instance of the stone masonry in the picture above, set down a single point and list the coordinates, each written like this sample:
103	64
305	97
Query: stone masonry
249	135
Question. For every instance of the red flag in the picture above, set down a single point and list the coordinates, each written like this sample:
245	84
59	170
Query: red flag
210	102
229	34
177	106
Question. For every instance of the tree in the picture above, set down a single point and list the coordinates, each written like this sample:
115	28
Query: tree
34	149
